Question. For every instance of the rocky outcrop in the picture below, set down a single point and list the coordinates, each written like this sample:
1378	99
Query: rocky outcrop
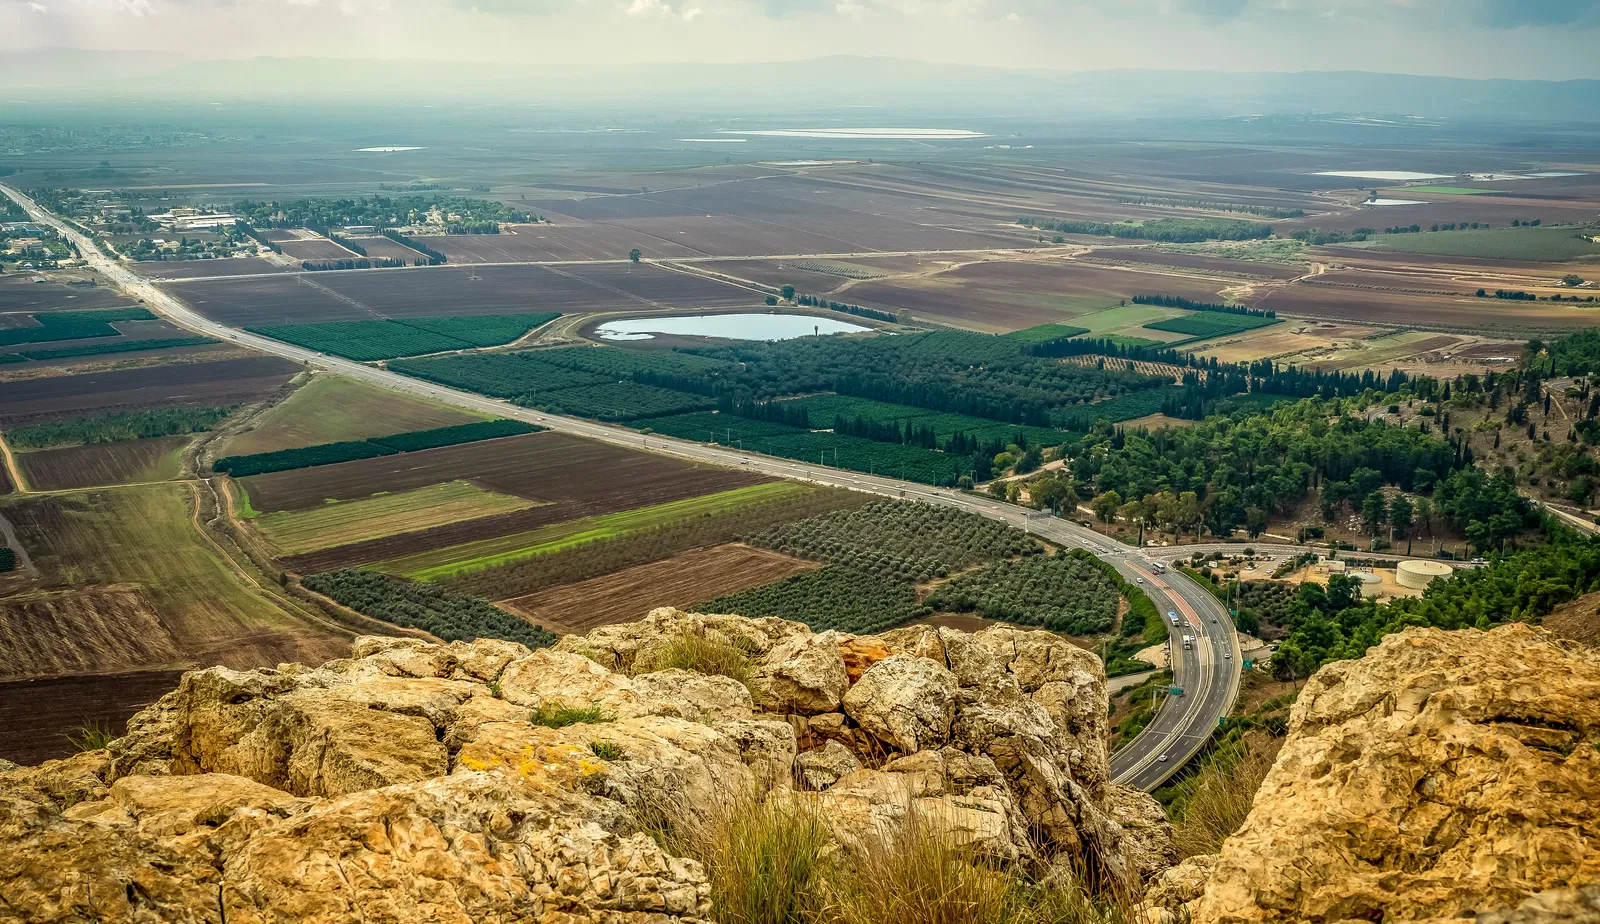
1446	776
484	781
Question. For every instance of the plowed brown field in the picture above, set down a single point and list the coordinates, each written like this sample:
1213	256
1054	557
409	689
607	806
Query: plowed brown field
629	594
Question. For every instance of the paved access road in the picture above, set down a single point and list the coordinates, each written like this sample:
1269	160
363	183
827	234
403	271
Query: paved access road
1209	674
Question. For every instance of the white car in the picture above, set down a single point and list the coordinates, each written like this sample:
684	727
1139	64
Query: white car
1162	758
1138	580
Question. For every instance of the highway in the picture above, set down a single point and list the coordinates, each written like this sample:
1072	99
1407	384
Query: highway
1209	674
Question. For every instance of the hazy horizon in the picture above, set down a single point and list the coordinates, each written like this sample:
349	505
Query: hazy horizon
1552	40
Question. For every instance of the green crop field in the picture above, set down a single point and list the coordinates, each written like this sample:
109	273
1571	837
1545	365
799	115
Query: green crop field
144	538
328	409
1543	244
1206	324
504	550
1116	410
617	401
616	363
717	428
293	532
499	375
1045	332
393	338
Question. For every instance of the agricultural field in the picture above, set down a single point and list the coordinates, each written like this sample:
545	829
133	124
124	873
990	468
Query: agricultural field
1283	341
124	462
366	341
352	450
618	401
1353	299
1005	296
448	616
1115	410
1203	325
315	248
902	540
832	597
43	717
201	269
1043	333
468	557
456	291
561	478
1552	244
893	562
683	580
1068	593
128	582
297	532
327	409
20	293
549	467
531	380
204	384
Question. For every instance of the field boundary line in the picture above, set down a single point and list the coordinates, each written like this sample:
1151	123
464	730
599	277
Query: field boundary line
306	280
13	470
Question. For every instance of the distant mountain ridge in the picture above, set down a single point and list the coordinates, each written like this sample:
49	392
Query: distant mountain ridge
814	84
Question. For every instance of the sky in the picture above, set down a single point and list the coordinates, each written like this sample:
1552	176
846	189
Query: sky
1545	39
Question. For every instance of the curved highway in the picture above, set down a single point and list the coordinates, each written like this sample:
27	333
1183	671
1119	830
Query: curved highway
1208	674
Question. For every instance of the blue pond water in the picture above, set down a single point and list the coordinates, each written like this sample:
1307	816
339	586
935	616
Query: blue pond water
728	326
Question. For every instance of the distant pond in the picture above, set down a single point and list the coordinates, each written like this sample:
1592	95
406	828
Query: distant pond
726	326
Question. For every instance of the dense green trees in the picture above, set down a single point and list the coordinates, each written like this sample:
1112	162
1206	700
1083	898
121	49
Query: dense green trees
1335	623
1165	230
1063	593
450	616
350	450
1233	472
110	428
379	211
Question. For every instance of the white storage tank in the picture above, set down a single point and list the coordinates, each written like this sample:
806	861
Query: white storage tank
1419	574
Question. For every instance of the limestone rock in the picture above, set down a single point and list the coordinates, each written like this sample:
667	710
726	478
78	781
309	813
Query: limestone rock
561	679
619	647
767	747
803	674
699	698
905	701
823	767
1174	889
1442	775
410	782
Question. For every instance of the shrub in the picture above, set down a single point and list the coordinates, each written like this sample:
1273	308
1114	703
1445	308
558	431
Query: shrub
1218	802
768	860
703	654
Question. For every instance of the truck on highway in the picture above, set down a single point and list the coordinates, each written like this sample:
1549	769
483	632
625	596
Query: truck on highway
1188	642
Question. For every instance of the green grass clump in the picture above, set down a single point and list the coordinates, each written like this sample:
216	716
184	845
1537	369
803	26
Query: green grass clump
555	715
703	654
605	750
92	737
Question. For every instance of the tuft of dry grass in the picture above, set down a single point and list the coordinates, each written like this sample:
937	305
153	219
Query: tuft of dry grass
555	715
1218	802
775	861
705	654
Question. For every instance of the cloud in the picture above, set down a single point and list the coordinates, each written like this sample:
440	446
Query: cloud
1215	10
1512	14
656	8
